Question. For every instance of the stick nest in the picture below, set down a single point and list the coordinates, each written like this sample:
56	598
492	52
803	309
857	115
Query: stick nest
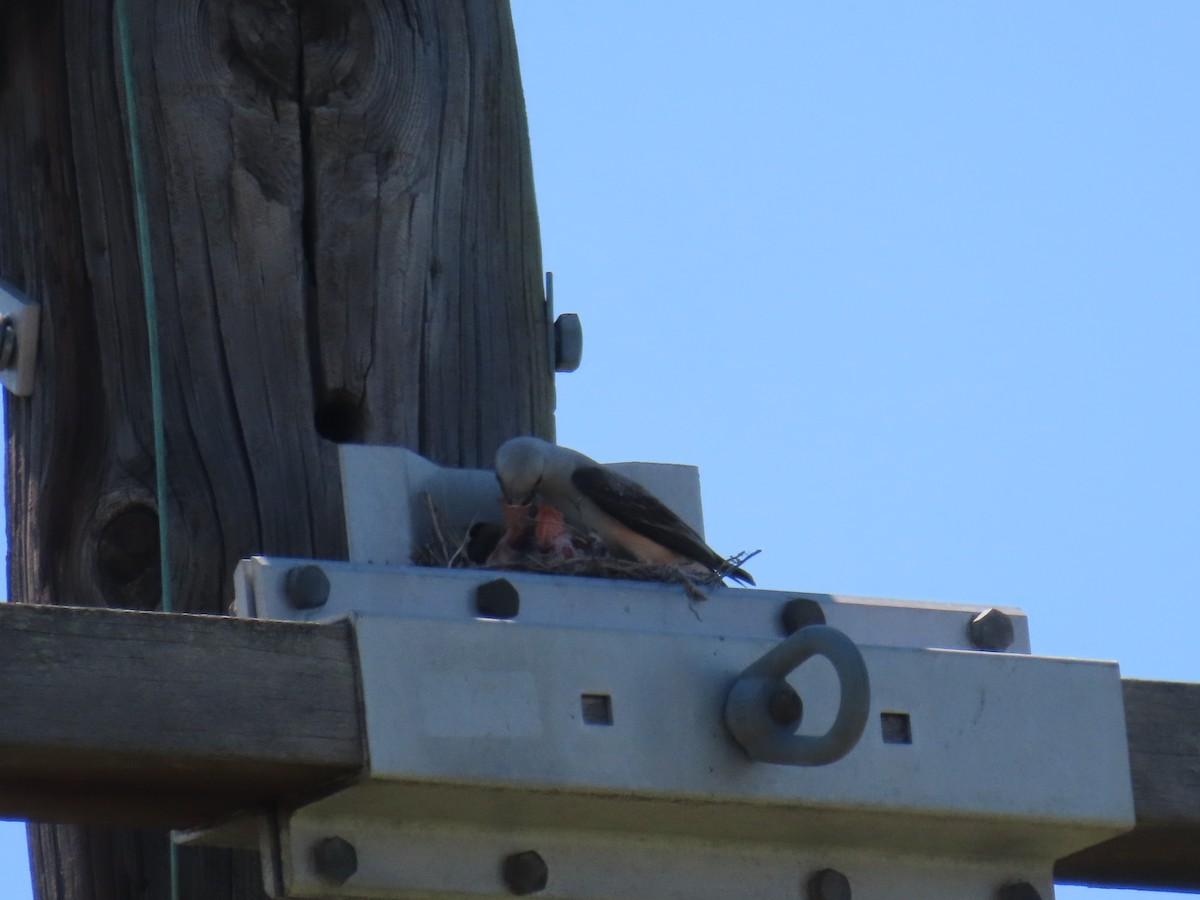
474	546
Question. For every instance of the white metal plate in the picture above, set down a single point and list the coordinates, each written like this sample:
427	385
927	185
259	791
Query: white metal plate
1027	751
478	750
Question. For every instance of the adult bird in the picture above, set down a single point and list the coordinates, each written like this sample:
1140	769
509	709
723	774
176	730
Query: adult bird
629	519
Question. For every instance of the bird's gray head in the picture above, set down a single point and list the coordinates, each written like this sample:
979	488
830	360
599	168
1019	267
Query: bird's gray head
520	464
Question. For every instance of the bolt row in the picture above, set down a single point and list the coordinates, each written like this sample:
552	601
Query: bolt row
991	629
307	587
335	861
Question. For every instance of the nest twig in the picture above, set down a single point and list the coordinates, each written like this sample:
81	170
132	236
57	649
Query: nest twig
605	566
436	553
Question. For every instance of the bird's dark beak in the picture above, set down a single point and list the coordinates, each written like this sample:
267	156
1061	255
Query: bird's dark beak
508	498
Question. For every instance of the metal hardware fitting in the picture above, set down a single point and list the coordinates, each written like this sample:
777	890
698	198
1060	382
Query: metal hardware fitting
565	334
334	859
829	884
525	872
497	599
306	587
1021	890
799	612
991	630
568	342
750	711
18	340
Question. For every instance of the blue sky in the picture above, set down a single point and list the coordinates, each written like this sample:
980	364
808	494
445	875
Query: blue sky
915	285
918	290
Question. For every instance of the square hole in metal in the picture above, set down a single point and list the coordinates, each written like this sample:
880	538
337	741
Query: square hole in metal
597	709
897	729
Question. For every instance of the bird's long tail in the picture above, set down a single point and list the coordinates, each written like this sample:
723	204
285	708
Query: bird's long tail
733	568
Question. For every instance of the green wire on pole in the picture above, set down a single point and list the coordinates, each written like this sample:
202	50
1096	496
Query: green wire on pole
150	297
142	219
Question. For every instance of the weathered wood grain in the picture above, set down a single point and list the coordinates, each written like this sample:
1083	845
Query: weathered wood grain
146	719
345	240
1162	720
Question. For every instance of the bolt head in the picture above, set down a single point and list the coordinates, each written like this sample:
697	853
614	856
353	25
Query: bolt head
306	587
784	705
800	612
1018	890
991	630
335	859
497	599
525	872
568	342
828	884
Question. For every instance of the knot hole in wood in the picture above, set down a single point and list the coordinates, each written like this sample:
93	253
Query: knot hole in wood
262	46
127	563
340	40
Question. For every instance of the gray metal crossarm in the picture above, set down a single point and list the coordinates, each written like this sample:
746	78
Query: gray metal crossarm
66	757
271	712
481	746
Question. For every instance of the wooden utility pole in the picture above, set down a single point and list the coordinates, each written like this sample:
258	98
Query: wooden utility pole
345	243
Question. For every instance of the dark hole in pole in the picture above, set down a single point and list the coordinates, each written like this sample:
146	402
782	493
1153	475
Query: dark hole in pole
341	418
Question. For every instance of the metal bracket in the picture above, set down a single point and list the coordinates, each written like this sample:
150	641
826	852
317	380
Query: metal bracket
511	757
578	738
18	340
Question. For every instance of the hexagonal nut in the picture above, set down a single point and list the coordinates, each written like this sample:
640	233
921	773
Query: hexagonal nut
828	884
800	612
497	599
1018	890
568	342
991	630
525	872
306	587
334	859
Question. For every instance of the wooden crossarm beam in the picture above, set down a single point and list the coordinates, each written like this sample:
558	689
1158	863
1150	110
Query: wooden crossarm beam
150	719
1162	721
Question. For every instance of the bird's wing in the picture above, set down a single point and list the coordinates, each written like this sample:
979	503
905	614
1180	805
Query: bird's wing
636	508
